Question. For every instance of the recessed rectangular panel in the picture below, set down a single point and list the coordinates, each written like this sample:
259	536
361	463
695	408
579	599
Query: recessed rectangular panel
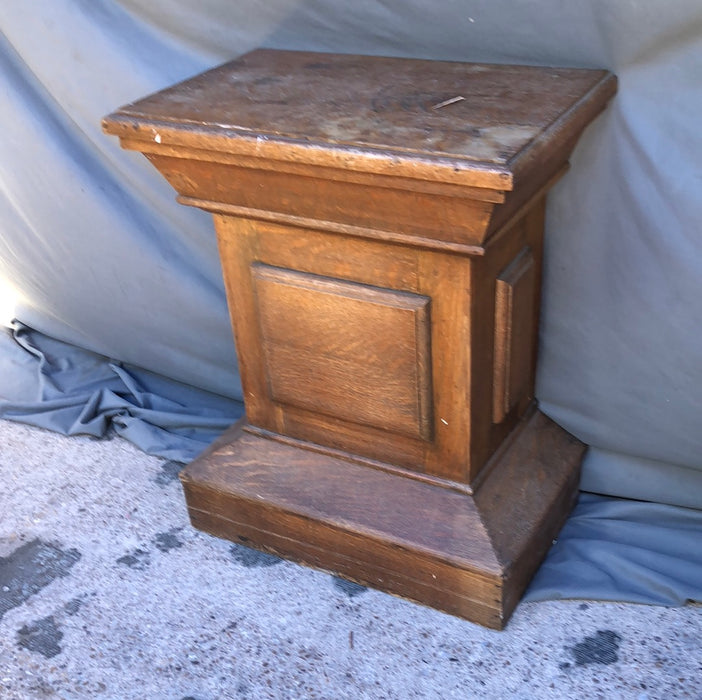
347	350
514	342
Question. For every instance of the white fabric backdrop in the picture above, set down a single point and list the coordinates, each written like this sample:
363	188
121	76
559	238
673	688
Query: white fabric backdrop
94	250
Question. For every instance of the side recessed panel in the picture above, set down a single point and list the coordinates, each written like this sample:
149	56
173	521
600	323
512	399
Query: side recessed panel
514	313
346	350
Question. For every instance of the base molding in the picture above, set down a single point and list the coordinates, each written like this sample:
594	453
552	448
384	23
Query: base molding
468	555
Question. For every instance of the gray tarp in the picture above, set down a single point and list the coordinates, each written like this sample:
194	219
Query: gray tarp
95	252
72	391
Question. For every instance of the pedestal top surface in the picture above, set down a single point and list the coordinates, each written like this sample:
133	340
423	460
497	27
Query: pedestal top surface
474	117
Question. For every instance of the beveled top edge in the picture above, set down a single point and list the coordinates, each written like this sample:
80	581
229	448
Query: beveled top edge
362	124
133	128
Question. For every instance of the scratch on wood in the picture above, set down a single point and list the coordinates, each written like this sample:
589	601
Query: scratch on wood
446	103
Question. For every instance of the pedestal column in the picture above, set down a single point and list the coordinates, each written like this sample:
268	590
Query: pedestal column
380	226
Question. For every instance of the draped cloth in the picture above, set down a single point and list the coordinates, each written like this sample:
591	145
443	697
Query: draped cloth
121	315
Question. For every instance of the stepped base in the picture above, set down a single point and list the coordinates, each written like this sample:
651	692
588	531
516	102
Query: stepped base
468	555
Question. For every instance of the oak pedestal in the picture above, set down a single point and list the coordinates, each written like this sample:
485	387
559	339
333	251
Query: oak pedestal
380	225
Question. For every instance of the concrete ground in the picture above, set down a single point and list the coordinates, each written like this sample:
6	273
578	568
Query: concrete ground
107	592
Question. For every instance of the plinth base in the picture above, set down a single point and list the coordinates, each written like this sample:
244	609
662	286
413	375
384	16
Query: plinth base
470	555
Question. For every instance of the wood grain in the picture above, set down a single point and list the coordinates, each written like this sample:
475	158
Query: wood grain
451	219
266	104
514	311
345	349
470	556
380	225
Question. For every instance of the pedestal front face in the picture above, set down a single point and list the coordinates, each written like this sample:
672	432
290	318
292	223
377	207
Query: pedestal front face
384	351
381	249
357	345
346	351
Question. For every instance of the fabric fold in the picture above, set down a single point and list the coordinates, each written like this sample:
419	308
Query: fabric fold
623	550
76	392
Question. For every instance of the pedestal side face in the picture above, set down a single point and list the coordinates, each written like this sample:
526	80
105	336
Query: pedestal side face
513	347
505	315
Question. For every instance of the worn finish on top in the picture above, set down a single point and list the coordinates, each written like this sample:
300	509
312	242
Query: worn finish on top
475	116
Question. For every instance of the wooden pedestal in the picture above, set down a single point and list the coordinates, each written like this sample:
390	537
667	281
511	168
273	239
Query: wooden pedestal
380	224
